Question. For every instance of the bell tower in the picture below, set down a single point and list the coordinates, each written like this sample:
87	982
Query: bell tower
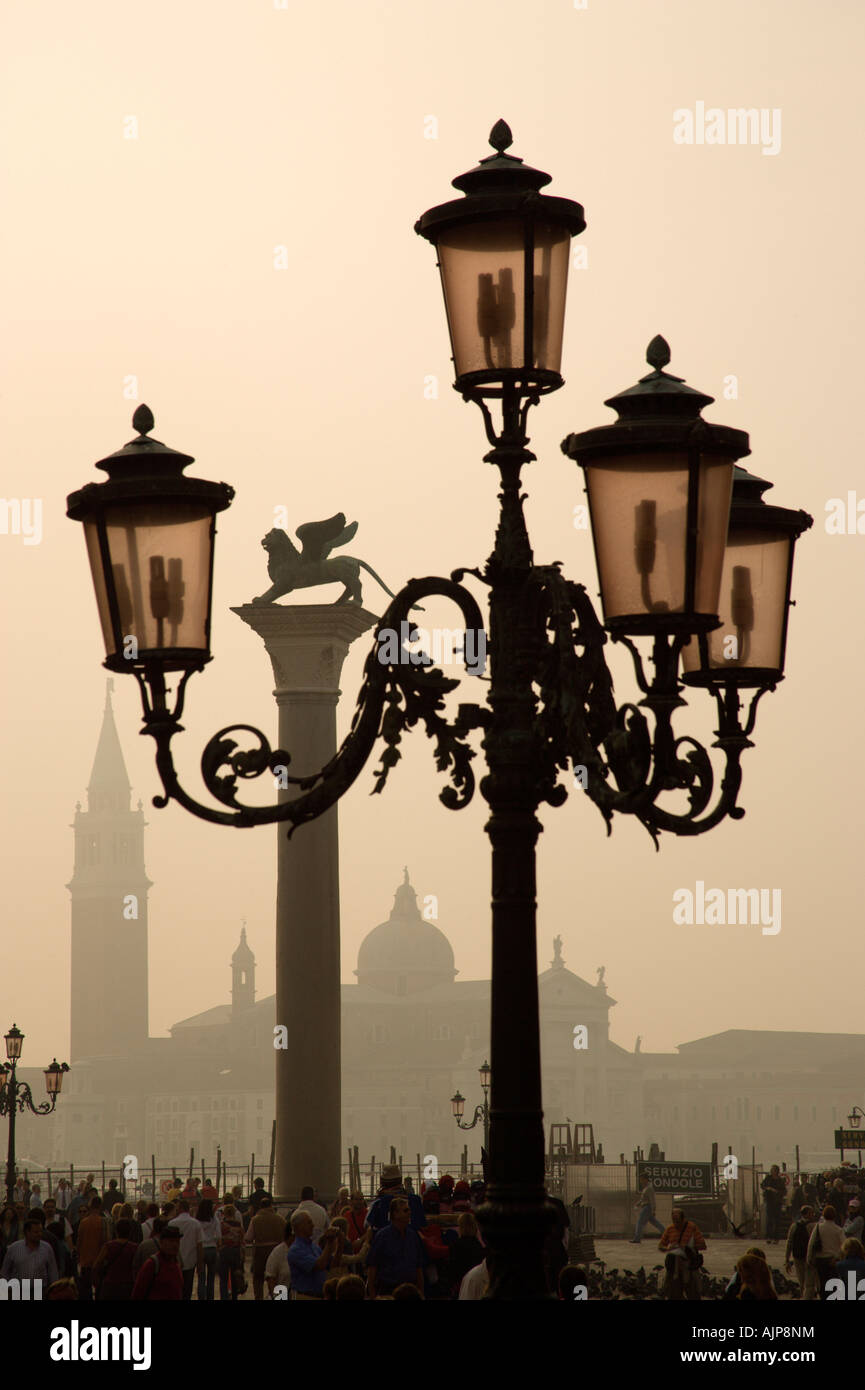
242	976
108	889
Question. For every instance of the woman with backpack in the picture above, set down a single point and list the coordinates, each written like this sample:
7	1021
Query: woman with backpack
796	1253
113	1275
824	1247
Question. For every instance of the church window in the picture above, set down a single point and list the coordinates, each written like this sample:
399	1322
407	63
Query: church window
401	984
441	1032
260	1103
259	1122
813	1112
777	1114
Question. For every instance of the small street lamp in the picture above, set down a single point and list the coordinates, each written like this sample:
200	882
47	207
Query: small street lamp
482	1112
676	563
15	1095
855	1118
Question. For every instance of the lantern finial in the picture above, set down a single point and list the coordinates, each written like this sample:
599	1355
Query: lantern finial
501	137
143	420
658	353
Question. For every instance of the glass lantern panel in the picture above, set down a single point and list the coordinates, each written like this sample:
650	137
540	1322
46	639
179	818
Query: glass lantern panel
551	260
639	508
483	278
752	604
160	559
94	555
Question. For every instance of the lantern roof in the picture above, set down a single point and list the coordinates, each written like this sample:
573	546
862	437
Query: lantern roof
143	454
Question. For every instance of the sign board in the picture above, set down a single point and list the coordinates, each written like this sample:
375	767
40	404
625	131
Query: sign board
850	1139
684	1179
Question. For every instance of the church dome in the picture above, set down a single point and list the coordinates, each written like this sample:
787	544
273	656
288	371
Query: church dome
406	953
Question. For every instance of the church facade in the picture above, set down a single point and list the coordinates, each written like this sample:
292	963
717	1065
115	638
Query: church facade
413	1033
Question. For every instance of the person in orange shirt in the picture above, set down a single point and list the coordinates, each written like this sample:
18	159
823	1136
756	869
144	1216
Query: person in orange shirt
682	1241
90	1238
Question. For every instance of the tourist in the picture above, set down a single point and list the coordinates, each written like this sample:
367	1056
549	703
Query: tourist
854	1224
229	1252
63	1256
755	1280
682	1241
573	1278
89	1240
475	1284
852	1261
35	1197
210	1234
160	1278
8	1229
467	1251
773	1187
278	1270
259	1192
149	1246
350	1289
113	1273
309	1262
355	1215
152	1213
339	1203
111	1195
265	1231
645	1209
64	1194
391	1187
208	1192
396	1255
796	1253
320	1219
837	1198
31	1257
824	1247
191	1246
52	1214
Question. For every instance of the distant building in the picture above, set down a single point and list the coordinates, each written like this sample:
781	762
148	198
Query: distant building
412	1034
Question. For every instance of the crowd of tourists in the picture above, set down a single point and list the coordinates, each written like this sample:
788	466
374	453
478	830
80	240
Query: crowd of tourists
401	1245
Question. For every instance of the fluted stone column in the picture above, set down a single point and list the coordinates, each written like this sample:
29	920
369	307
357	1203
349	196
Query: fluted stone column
307	645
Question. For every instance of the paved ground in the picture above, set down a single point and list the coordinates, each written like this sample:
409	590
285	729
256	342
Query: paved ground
719	1257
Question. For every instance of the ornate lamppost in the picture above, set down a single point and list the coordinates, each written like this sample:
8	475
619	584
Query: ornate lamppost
15	1095
659	483
855	1118
482	1112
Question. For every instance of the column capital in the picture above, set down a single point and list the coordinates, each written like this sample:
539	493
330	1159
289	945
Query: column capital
307	643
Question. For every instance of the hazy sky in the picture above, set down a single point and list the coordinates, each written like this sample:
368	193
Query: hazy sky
153	258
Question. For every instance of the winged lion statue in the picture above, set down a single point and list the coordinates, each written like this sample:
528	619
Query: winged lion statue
290	568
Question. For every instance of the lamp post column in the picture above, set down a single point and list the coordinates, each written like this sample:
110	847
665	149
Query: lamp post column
11	1091
307	645
513	1218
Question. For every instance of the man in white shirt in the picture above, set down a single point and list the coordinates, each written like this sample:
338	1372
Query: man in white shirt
191	1245
278	1270
30	1258
317	1214
476	1282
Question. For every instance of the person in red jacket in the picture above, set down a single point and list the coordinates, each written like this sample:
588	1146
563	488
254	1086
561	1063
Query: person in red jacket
160	1278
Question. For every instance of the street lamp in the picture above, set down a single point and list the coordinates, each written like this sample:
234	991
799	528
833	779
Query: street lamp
659	482
482	1112
15	1095
855	1118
